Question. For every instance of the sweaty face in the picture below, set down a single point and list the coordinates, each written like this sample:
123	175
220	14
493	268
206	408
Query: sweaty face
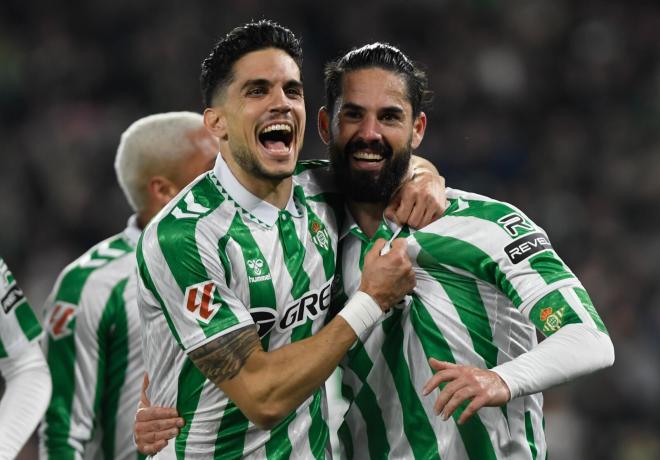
264	109
371	135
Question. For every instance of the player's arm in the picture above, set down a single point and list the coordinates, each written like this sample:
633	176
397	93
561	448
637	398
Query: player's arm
421	198
268	385
27	391
576	343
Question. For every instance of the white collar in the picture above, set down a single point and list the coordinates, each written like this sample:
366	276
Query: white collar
255	206
132	232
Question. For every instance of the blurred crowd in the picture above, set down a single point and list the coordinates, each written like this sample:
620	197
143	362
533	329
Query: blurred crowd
552	106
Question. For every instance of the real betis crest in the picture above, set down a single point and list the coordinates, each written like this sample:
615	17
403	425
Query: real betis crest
320	235
552	320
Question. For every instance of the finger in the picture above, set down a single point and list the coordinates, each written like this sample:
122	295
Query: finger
417	214
438	378
402	212
390	210
399	245
429	217
440	365
164	424
144	400
152	448
150	434
446	394
456	400
476	404
375	250
155	413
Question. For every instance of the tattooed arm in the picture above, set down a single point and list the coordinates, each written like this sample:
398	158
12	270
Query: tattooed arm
267	386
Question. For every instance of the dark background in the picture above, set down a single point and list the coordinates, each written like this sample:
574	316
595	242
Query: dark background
553	106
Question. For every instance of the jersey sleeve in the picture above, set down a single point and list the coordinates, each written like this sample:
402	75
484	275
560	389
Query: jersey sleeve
18	323
501	246
180	270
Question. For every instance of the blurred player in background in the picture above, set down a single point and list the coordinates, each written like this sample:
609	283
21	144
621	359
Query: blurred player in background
93	346
22	366
486	276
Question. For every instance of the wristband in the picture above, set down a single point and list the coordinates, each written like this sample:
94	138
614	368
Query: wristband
361	312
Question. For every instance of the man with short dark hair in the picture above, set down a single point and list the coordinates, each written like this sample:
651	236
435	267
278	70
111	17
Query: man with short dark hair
236	273
486	276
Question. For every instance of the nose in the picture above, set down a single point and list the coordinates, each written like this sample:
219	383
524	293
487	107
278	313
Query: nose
369	129
280	102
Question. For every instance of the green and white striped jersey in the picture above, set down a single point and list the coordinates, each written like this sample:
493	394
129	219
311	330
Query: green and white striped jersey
94	355
216	259
486	276
18	324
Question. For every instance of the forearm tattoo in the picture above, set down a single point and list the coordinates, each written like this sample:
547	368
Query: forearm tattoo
223	358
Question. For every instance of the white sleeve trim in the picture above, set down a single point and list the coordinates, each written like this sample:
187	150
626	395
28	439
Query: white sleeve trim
26	397
572	351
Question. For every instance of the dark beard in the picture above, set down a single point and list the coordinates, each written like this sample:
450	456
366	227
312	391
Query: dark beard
364	186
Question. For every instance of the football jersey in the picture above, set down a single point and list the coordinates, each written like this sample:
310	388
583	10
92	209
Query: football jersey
18	324
94	354
486	277
217	259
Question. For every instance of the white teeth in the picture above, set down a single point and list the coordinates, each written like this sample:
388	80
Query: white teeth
277	127
367	156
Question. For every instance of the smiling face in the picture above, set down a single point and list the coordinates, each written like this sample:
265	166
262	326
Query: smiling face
261	114
371	134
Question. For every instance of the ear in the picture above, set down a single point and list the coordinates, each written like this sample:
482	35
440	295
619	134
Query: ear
161	190
215	122
324	125
419	127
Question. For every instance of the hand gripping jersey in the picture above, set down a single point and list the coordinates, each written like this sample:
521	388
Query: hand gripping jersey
216	259
93	351
18	324
486	276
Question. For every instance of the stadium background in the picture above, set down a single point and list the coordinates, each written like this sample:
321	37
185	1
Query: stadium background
553	106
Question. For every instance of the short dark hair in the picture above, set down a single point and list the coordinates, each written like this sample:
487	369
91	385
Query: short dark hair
386	57
253	36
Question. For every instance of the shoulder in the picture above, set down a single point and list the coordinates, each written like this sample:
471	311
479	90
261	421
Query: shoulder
315	176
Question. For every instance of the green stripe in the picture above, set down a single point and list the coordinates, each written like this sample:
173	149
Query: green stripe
491	211
366	401
190	386
473	432
262	293
344	432
553	312
419	431
279	445
549	267
294	254
529	431
465	297
177	240
319	434
589	306
231	435
28	321
461	254
61	361
112	339
3	351
319	234
143	272
305	165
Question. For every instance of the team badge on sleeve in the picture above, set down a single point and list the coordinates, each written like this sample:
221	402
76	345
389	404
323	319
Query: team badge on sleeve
202	301
60	320
10	294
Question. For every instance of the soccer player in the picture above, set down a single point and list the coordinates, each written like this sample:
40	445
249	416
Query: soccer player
236	272
486	277
22	365
93	345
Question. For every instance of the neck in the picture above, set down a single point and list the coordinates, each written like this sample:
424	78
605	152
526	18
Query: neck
367	215
273	191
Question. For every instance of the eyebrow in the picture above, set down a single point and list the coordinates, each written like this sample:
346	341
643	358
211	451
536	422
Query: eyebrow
388	109
266	82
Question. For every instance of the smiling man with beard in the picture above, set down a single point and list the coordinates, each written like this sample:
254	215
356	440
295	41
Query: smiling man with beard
486	277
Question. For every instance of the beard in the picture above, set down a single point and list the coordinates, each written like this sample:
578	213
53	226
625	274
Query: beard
249	163
369	186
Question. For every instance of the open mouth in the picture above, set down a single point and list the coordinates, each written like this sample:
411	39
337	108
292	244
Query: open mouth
276	137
